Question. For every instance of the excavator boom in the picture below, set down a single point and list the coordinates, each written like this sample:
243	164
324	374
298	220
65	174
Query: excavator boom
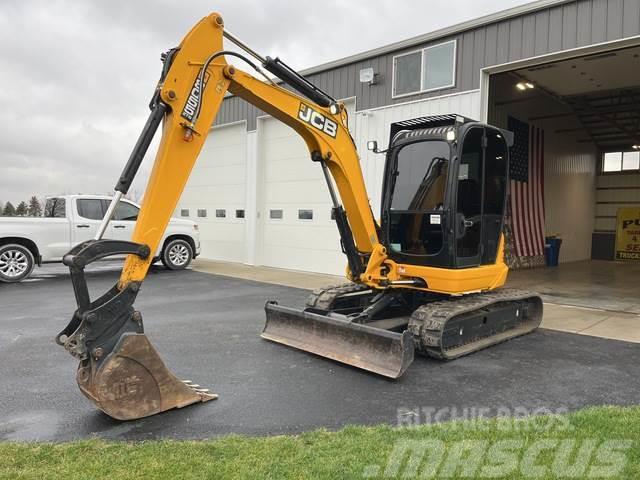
120	371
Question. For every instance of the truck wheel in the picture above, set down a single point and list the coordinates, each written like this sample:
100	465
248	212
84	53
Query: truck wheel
16	263
177	254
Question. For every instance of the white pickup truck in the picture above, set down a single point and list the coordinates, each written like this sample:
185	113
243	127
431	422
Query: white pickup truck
71	219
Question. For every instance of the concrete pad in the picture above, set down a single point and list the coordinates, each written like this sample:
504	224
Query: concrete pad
571	319
616	328
592	322
277	276
595	284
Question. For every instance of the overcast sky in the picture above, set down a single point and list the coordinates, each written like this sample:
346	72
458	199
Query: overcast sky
76	76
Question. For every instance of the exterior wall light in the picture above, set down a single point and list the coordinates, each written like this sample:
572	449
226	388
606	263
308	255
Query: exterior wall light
367	75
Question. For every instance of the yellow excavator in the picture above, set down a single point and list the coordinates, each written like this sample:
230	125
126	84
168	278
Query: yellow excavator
425	278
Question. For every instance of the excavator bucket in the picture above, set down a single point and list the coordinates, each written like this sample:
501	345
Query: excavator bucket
120	371
376	350
133	382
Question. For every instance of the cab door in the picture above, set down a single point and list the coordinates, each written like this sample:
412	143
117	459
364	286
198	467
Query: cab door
496	177
469	199
481	196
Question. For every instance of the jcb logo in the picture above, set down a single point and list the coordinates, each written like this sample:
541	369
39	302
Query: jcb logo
317	120
190	107
127	387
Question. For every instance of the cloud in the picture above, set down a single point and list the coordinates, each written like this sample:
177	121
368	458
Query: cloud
77	76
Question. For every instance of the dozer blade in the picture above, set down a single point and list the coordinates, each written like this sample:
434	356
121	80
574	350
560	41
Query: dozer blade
376	350
133	381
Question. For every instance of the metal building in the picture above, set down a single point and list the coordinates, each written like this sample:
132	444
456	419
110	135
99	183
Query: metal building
567	69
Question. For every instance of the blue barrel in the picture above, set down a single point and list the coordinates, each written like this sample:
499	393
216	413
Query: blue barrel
552	250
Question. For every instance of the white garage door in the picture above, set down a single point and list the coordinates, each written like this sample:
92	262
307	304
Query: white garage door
215	194
297	231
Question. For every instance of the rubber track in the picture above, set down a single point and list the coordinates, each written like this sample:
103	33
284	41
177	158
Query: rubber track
323	298
428	322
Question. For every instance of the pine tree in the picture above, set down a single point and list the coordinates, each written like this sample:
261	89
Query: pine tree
35	208
21	211
1	208
9	210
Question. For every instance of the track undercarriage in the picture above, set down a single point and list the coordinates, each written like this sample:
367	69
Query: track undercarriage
379	330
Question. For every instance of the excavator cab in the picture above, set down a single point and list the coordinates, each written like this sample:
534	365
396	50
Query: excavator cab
444	192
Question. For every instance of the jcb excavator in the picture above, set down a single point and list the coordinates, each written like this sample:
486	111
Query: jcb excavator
427	277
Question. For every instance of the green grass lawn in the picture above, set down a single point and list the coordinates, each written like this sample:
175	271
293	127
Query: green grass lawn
599	442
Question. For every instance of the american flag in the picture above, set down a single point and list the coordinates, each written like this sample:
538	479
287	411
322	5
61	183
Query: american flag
527	188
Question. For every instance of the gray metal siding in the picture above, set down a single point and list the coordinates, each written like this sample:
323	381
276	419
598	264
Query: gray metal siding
556	28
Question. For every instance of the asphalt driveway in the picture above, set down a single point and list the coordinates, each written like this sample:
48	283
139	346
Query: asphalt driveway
207	329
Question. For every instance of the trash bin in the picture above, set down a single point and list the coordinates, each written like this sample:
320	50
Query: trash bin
552	250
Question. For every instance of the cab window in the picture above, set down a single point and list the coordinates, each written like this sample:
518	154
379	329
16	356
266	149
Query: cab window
420	176
418	187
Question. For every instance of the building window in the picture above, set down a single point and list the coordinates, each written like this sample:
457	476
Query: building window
631	160
305	214
202	213
184	212
221	213
407	71
430	68
276	214
439	66
621	161
240	213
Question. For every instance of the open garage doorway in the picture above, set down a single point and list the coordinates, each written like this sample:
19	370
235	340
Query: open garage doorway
580	118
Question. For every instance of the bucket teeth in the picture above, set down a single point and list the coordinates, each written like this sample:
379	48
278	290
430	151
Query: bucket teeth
205	393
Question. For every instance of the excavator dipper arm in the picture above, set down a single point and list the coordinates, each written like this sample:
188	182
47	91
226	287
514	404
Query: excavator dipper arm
120	371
